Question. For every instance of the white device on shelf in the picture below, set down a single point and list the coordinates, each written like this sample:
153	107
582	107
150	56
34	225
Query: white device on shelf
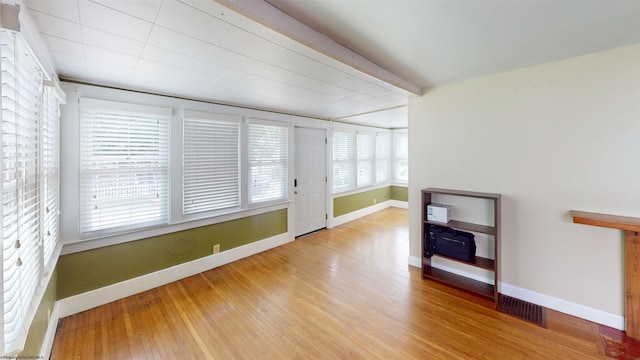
438	212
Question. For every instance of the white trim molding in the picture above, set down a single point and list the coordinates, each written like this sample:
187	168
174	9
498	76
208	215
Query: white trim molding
399	204
343	219
567	307
415	262
83	245
550	302
90	299
49	336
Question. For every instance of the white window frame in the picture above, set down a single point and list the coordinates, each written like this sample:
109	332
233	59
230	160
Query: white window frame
343	160
372	154
401	157
278	187
383	158
144	175
365	159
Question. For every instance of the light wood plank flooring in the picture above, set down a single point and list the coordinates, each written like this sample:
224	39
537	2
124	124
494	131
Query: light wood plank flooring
344	293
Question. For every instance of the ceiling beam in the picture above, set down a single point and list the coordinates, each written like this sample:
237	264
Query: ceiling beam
276	19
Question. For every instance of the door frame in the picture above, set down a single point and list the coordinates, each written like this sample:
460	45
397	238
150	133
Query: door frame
327	194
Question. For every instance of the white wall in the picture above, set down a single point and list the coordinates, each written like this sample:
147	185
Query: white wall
550	138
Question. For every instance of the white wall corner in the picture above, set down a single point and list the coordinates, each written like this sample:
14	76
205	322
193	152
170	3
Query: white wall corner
415	261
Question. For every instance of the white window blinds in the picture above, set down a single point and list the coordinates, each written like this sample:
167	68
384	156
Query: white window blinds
343	157
383	158
401	158
360	159
50	169
268	161
29	154
124	162
365	148
211	162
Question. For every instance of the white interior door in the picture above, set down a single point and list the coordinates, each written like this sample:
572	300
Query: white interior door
310	185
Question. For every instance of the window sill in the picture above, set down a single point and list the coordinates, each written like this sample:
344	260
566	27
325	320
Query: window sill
360	190
78	245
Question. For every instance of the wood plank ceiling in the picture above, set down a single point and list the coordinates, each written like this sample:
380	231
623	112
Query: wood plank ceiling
201	49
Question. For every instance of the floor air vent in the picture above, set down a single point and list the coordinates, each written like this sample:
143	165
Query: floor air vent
521	309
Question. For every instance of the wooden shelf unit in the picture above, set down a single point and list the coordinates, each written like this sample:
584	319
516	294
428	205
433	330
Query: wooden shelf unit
430	272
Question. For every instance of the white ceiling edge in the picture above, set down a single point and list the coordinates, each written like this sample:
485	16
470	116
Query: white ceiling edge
192	98
393	118
274	18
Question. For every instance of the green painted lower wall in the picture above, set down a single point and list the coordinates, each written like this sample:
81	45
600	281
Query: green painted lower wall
400	193
350	203
38	329
89	270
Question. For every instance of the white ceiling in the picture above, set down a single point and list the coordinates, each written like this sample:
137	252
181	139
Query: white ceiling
202	50
432	42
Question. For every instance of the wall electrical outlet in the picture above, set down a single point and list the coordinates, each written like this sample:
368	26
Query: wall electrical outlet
375	201
216	248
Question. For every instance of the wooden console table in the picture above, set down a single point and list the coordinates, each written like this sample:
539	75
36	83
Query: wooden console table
631	228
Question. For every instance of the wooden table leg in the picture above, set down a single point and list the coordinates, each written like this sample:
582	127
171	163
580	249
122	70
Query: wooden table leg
632	276
631	228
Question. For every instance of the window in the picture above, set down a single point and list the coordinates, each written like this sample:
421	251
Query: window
50	169
365	149
383	158
343	167
21	83
401	158
229	163
124	166
29	186
268	161
211	162
360	160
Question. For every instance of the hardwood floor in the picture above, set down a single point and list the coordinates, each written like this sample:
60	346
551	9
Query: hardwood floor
334	294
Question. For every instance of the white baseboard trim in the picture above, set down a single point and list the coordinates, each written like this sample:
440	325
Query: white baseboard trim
567	307
550	302
336	221
399	204
367	211
464	273
90	299
415	262
49	336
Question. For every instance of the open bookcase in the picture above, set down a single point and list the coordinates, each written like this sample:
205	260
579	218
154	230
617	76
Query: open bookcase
488	263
